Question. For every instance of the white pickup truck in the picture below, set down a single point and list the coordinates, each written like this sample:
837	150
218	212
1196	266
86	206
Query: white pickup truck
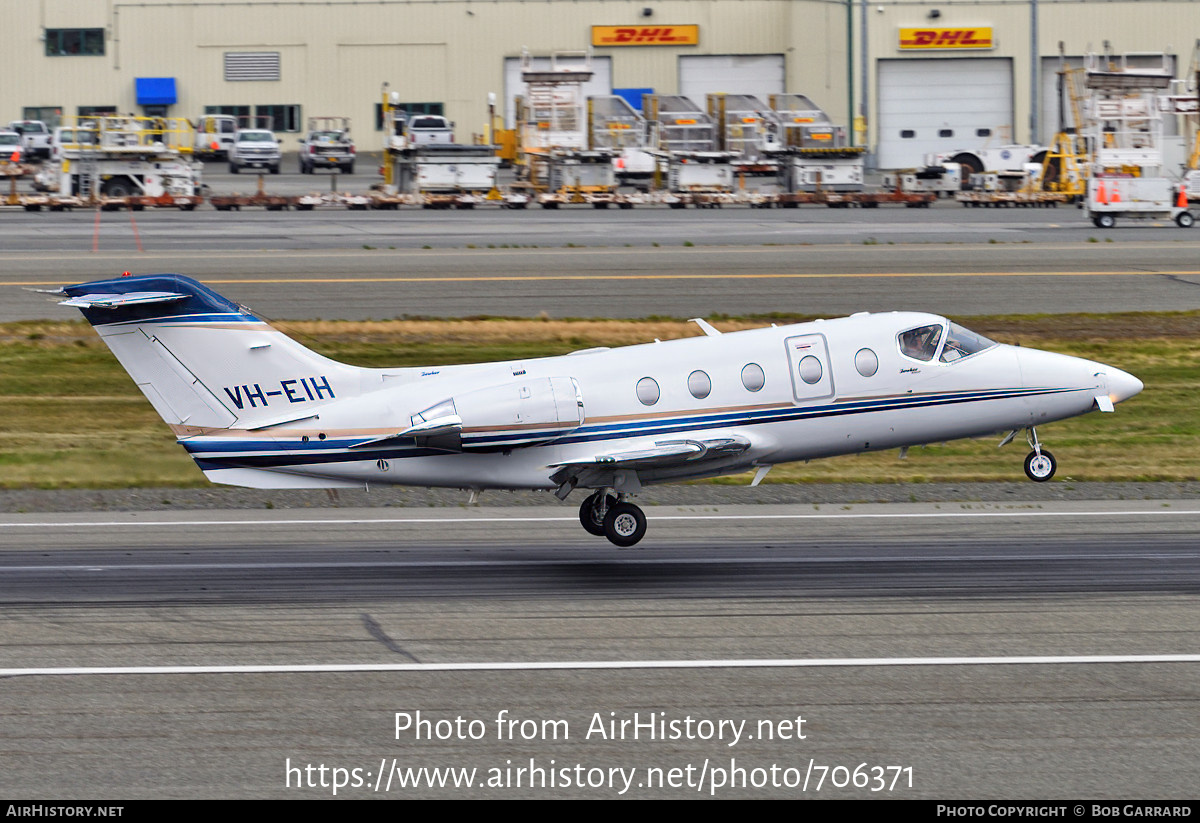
424	129
35	137
214	133
10	146
254	148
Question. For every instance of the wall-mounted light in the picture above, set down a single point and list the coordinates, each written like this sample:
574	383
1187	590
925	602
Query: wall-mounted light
647	12
934	14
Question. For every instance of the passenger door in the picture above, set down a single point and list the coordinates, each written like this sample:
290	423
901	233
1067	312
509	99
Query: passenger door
808	362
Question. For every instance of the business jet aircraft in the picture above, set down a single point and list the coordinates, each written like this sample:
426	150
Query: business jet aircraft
255	408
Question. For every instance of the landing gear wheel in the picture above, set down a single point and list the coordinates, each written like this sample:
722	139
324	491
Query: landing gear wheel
1185	220
1040	467
589	514
1105	221
624	524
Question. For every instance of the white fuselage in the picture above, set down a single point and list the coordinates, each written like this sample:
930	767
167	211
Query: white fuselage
793	392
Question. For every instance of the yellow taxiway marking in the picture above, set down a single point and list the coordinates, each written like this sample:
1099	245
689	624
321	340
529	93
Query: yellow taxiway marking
502	278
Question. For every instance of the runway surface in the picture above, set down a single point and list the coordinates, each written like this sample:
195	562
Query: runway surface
1028	649
356	265
988	650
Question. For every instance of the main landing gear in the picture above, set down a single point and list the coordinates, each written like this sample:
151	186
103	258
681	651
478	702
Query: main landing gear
607	515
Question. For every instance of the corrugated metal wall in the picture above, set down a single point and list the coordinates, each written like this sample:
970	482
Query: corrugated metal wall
336	54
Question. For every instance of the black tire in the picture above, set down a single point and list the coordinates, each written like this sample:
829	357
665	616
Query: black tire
1052	170
1040	468
970	165
274	169
349	169
118	188
1185	220
587	514
1105	221
233	168
624	525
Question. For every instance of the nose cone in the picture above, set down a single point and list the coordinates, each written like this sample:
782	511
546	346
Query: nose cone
1122	385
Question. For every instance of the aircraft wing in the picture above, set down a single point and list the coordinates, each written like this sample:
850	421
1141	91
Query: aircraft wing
663	454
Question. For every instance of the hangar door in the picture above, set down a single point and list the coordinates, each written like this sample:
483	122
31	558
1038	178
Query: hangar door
601	82
934	105
757	74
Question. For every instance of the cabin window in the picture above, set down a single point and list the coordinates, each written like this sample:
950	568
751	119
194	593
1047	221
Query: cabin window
867	362
921	343
752	377
908	134
945	132
699	384
962	343
647	391
811	370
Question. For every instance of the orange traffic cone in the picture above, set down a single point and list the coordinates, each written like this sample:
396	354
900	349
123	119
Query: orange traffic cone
1101	196
1116	194
16	155
1182	201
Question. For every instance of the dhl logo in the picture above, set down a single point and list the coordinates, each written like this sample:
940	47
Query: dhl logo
645	35
946	38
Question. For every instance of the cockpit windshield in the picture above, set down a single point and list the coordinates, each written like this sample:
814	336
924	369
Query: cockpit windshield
921	343
962	343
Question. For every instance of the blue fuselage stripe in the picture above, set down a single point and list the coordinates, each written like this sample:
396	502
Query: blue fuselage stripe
219	454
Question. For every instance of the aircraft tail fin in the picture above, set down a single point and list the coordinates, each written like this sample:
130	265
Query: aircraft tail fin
203	361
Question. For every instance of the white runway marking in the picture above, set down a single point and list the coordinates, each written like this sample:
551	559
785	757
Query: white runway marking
657	517
866	662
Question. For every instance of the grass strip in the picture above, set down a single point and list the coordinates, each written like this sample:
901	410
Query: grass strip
71	418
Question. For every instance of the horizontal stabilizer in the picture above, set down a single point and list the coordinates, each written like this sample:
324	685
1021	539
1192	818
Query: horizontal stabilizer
113	301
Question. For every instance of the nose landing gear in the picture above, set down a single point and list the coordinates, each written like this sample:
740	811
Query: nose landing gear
612	516
1040	464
